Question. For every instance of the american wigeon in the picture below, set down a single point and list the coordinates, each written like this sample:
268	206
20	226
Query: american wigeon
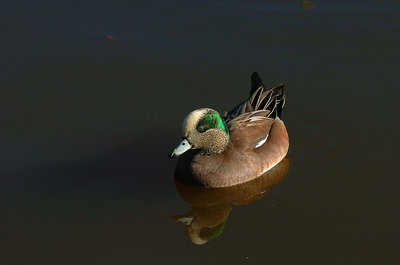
220	150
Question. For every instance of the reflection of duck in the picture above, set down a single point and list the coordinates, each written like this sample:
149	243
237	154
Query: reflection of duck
211	206
225	150
306	4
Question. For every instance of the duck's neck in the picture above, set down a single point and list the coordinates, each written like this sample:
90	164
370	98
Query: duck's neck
214	142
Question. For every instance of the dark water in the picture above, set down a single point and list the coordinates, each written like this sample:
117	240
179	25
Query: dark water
92	95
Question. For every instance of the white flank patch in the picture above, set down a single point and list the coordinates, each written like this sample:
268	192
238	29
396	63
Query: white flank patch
262	141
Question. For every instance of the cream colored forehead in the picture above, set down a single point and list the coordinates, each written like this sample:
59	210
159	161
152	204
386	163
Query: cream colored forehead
190	122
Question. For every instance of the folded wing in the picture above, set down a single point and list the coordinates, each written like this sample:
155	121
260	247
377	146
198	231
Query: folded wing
249	129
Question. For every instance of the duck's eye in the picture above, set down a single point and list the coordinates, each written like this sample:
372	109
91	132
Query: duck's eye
201	128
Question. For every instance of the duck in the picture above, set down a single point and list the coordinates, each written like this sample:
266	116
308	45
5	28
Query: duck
236	146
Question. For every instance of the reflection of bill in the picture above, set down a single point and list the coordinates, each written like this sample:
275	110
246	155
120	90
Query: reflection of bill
306	4
208	216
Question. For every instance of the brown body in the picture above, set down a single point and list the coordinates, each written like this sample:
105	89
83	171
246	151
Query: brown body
240	162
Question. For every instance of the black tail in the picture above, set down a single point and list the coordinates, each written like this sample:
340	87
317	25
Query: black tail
255	82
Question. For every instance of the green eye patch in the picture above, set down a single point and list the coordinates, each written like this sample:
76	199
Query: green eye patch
211	121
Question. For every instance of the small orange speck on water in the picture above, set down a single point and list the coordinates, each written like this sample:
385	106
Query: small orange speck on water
306	4
110	37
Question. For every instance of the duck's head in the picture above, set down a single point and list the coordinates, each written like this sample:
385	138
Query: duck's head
203	129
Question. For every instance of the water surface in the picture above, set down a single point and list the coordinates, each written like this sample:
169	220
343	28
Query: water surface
92	98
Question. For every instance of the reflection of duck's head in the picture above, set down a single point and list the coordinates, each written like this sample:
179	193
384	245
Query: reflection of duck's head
211	206
204	224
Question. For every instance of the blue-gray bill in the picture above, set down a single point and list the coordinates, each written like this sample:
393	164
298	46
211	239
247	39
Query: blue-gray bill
183	146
